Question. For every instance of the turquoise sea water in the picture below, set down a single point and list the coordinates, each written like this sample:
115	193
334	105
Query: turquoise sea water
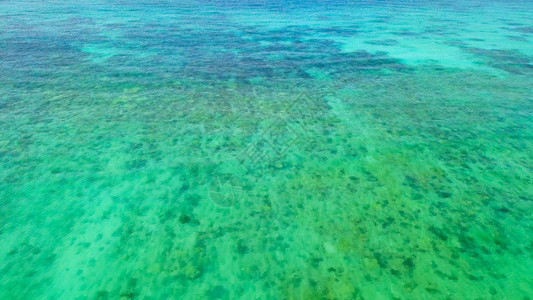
266	150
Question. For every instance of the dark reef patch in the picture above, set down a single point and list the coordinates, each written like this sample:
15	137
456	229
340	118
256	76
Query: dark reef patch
517	38
524	29
406	33
387	42
286	54
511	61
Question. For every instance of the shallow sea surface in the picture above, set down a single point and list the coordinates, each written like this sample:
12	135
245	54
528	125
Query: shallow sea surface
266	150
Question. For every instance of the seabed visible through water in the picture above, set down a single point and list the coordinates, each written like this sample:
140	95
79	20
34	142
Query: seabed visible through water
202	149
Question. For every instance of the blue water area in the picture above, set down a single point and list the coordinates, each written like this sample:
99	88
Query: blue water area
266	149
